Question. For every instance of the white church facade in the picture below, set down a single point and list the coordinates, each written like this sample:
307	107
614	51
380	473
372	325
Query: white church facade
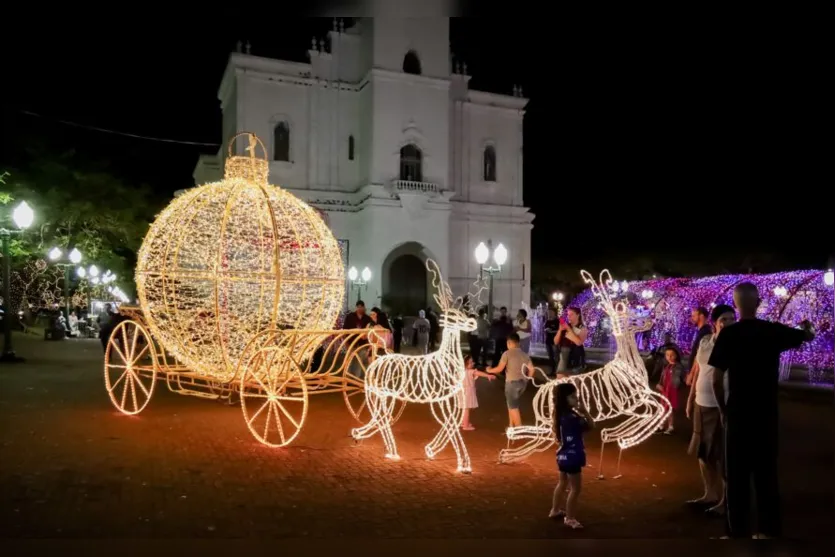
382	134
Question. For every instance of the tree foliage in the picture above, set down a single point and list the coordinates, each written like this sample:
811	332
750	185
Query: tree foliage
81	205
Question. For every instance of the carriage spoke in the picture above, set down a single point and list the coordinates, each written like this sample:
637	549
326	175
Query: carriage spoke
139	382
113	386
280	429
267	423
252	419
286	413
125	391
141	353
133	393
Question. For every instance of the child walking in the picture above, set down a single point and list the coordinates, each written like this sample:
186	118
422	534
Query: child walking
669	383
470	400
570	422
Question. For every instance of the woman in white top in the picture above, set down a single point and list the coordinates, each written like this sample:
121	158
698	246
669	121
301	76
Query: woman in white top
708	436
523	329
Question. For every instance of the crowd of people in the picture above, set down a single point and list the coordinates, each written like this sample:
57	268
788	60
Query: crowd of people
731	380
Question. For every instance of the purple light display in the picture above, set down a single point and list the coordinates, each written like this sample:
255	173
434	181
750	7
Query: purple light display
788	298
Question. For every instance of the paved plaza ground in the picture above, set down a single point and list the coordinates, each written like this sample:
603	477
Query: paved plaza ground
71	466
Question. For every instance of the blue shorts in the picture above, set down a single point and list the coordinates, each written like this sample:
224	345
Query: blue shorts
575	467
513	392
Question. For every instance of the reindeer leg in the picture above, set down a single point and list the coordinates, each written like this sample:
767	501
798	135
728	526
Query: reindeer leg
375	411
385	428
617	472
537	439
451	412
600	475
442	437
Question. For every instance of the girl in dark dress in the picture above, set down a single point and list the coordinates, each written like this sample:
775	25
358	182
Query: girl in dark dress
571	421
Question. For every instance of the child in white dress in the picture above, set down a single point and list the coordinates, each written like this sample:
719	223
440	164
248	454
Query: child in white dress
468	394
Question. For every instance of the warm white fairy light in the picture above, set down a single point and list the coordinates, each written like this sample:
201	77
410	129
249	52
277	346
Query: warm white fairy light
227	260
241	283
435	379
619	388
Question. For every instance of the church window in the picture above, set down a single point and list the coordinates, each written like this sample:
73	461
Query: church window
489	164
350	147
281	142
411	63
411	163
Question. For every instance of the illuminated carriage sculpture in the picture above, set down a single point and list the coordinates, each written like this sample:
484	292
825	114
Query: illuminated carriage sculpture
240	284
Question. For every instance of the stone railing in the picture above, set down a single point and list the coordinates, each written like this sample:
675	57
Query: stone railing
416	187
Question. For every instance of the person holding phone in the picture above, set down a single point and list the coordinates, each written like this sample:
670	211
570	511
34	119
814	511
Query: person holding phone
570	338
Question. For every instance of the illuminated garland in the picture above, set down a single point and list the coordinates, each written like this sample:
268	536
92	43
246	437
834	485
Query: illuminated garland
620	388
788	297
435	379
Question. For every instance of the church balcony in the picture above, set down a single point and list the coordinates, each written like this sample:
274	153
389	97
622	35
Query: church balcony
415	186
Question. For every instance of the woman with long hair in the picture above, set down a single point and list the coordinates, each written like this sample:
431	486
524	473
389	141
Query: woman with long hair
571	421
380	322
570	338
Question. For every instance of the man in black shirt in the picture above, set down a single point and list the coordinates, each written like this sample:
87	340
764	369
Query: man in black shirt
357	319
397	325
699	318
749	352
552	325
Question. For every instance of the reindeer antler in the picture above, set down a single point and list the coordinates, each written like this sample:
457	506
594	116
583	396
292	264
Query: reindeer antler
444	297
604	301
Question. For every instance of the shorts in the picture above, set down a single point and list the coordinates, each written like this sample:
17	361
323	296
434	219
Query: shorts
513	392
570	469
573	468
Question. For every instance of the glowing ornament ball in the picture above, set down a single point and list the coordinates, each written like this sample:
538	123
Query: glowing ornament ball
228	260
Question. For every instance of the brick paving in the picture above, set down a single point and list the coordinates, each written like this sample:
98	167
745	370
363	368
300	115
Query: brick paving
72	467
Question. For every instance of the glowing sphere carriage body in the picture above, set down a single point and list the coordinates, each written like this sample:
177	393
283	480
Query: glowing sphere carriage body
228	260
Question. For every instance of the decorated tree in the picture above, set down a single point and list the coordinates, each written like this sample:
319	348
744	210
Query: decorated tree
80	205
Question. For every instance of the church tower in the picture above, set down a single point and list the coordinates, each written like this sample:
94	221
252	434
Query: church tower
418	45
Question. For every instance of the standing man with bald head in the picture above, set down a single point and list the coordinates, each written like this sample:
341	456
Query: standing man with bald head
749	352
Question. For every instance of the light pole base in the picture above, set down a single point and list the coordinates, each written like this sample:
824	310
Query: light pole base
11	358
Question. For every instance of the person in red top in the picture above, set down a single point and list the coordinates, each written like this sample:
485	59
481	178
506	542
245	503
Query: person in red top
358	320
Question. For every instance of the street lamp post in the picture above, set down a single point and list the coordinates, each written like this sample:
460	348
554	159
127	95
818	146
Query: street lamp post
73	258
357	282
22	217
482	254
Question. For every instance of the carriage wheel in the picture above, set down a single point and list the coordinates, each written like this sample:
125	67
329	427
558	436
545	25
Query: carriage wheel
273	397
354	393
130	367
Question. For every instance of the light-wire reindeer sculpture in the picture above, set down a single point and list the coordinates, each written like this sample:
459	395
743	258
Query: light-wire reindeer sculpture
435	379
619	388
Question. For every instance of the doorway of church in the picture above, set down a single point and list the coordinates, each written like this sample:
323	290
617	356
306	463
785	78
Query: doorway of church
407	289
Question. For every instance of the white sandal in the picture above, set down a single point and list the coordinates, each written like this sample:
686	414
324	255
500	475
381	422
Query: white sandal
573	523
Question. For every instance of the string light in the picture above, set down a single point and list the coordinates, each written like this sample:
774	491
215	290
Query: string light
227	260
618	389
788	297
436	379
241	283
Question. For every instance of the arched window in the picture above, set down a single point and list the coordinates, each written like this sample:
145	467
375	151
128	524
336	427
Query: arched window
411	163
489	164
281	142
411	63
350	147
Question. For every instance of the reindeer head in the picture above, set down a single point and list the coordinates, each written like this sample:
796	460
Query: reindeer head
452	317
618	312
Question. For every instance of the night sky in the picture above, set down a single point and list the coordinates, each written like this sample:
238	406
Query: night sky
661	144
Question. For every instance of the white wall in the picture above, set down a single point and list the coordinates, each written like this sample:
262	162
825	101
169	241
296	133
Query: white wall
385	109
409	109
